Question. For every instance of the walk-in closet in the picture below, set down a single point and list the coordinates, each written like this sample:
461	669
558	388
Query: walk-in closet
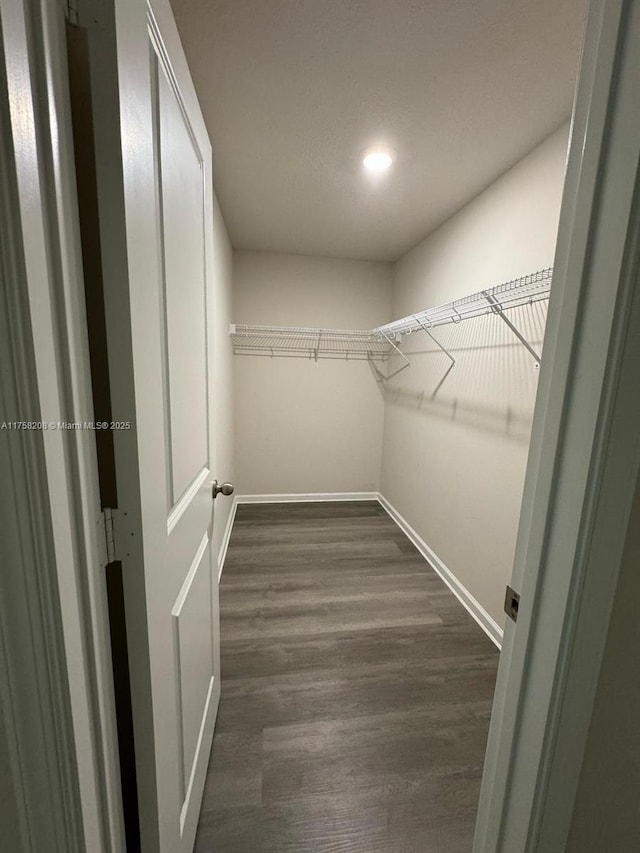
389	178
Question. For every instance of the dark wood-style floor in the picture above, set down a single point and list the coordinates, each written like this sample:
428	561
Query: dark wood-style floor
356	691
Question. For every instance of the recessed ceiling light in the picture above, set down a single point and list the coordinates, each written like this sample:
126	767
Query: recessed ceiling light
377	159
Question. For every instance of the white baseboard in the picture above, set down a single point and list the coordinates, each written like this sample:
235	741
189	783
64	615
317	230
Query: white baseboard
224	545
307	496
486	622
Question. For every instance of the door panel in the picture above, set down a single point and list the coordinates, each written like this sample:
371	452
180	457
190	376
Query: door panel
193	655
182	200
153	159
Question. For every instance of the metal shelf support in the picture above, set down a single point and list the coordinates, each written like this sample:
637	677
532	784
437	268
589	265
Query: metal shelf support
497	309
397	351
436	341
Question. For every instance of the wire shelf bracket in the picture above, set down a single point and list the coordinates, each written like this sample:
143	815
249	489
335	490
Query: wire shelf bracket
425	329
394	348
496	308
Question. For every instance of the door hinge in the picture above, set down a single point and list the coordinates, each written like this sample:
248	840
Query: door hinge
71	12
511	603
109	535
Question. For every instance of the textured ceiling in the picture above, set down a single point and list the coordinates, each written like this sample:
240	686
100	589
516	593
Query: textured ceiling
293	91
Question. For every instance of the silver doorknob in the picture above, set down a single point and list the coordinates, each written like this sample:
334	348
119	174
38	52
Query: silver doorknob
225	488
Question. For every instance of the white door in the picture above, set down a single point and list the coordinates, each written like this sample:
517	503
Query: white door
155	194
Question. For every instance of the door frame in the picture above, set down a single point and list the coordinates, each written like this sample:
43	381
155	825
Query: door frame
56	683
584	461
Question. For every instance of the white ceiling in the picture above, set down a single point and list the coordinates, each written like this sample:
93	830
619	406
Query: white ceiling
293	91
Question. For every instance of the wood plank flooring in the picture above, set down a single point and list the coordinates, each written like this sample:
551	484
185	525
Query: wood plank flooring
356	691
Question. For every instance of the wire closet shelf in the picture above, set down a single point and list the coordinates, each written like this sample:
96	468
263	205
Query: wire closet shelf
380	343
512	294
297	341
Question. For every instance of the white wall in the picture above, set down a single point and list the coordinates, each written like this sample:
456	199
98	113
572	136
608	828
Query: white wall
222	284
303	426
454	456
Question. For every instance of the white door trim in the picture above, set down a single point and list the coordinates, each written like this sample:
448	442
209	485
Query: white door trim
583	463
55	671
